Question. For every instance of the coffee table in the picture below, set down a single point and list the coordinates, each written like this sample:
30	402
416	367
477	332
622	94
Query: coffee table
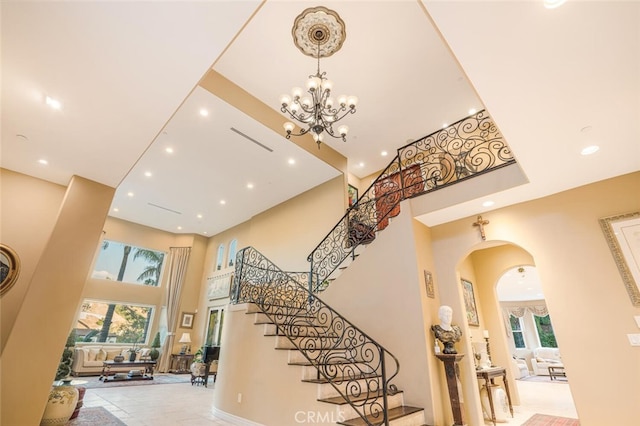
556	371
145	366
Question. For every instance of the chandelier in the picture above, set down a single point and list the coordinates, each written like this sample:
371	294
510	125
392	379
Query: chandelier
318	32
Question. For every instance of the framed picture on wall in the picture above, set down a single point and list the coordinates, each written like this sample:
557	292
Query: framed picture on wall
353	195
622	233
187	320
470	303
428	282
9	268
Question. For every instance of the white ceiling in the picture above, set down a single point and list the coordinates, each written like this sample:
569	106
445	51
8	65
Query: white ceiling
519	284
127	75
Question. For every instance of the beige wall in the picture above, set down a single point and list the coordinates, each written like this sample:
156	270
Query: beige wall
52	295
29	209
583	289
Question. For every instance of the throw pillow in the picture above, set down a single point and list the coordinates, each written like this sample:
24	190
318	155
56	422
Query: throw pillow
102	355
111	353
93	354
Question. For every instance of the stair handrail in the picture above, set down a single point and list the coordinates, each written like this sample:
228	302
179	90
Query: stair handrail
347	357
469	147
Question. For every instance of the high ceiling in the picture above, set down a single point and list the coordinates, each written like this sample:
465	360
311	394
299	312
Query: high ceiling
127	75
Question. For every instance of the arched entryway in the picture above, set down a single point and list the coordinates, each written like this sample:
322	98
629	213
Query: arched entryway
481	270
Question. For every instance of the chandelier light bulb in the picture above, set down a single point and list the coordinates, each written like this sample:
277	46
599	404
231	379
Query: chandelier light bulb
328	103
352	101
296	92
327	84
342	100
288	126
343	130
285	100
306	102
294	107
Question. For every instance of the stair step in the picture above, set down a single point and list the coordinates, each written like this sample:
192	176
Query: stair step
336	380
393	414
262	318
271	329
338	400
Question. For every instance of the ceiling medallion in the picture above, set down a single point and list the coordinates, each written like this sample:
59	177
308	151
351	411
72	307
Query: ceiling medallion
318	32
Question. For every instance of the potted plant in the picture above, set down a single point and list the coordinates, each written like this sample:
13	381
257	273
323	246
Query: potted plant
133	352
198	366
63	397
154	354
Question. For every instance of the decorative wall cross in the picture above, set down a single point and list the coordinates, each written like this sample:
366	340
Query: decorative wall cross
480	224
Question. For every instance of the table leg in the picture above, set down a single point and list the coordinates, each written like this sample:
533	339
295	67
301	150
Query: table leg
506	387
493	413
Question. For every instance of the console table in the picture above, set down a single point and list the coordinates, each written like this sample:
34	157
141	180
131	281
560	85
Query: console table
145	366
180	363
489	375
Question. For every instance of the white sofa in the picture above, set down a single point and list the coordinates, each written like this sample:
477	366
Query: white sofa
88	360
544	357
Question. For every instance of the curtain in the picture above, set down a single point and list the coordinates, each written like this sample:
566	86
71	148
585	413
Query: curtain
520	310
178	259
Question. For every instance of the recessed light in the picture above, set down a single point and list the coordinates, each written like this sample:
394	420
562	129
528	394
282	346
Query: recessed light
199	216
43	161
179	227
204	112
488	203
115	209
361	164
168	150
445	125
588	150
53	103
250	185
148	174
552	4
291	161
223	202
130	194
472	111
384	153
205	233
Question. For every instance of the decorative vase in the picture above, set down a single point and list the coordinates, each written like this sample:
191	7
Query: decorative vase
60	405
500	403
118	358
132	356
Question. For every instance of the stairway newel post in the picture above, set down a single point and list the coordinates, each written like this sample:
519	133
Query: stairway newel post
385	402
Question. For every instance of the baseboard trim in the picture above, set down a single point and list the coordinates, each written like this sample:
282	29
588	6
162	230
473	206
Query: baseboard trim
233	418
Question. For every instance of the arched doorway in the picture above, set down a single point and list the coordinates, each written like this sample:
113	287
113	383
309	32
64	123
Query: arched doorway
484	267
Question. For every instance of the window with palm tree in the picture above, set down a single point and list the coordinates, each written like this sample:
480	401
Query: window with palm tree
127	263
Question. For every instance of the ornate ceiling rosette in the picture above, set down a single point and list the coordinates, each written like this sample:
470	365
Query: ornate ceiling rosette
318	32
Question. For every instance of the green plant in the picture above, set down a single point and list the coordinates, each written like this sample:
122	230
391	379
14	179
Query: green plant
155	353
199	355
64	367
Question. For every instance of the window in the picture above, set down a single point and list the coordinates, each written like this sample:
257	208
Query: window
220	258
516	329
545	332
101	321
125	262
233	245
214	327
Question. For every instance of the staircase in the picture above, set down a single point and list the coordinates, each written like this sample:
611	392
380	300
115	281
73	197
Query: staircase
352	388
353	373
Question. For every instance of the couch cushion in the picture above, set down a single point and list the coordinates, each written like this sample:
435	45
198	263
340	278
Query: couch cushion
93	354
111	353
102	355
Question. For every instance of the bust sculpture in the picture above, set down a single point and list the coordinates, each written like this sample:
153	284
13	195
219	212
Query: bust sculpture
445	332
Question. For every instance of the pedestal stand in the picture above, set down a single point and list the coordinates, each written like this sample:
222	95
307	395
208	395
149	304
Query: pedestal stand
452	372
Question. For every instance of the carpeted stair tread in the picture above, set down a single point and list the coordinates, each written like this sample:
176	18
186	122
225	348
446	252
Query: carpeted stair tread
339	400
393	414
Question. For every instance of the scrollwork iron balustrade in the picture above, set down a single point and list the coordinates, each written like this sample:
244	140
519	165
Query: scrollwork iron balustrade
467	148
345	357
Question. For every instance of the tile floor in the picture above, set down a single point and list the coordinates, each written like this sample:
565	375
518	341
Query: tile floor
185	405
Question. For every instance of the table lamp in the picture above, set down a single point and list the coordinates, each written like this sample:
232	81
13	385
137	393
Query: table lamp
185	338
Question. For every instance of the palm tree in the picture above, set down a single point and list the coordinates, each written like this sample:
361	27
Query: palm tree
151	274
104	332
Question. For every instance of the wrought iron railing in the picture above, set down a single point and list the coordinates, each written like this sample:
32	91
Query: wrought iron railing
467	148
356	366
